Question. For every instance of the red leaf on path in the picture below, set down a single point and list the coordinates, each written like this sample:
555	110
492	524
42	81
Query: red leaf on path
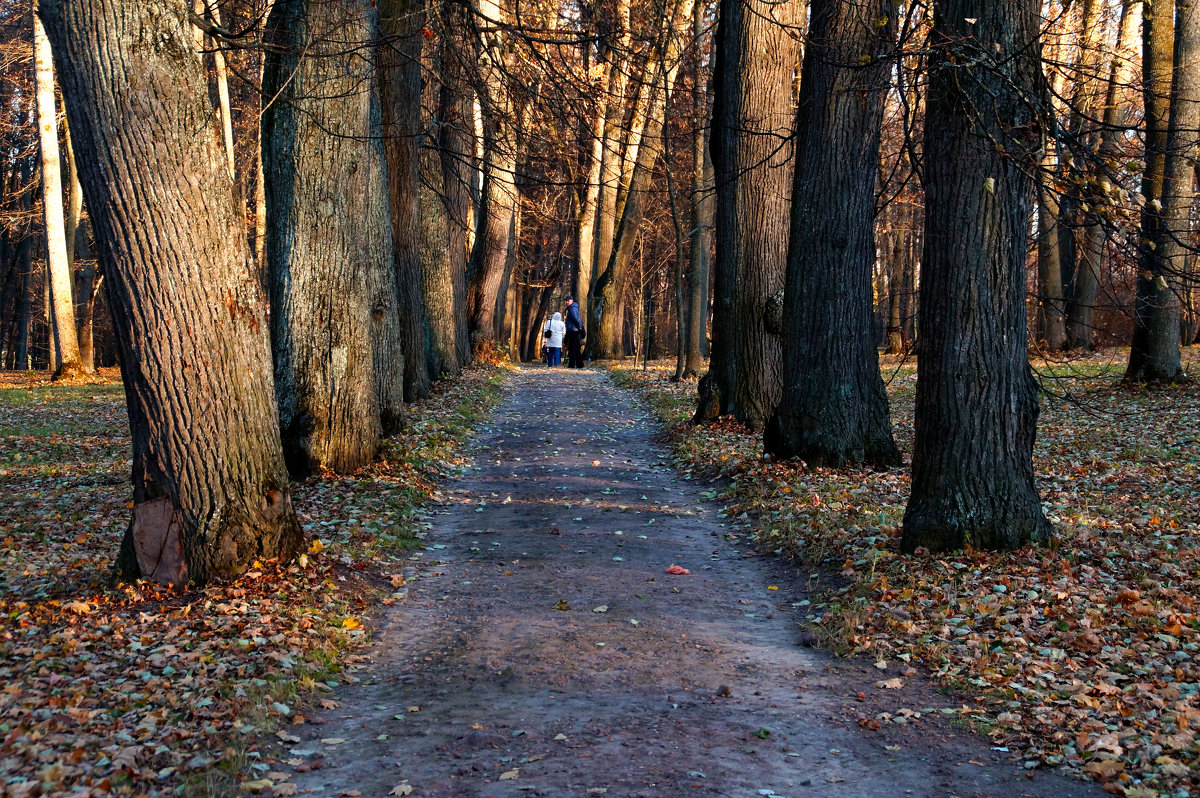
676	569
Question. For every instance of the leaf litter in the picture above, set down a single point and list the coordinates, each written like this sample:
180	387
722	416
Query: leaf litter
139	688
1081	655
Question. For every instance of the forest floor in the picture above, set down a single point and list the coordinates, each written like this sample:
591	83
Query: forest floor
134	689
1080	656
544	646
527	639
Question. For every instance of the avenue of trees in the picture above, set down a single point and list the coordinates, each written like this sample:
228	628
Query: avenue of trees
286	219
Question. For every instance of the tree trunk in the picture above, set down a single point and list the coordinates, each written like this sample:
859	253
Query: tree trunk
610	161
489	256
210	490
833	411
454	130
334	328
585	264
977	406
400	25
1154	352
1086	257
66	362
221	73
757	52
88	279
24	314
1051	308
438	264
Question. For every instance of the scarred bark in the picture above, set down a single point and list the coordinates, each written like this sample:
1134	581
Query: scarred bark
210	491
977	405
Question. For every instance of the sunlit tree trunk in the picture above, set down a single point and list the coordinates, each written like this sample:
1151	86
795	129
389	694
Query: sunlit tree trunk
631	202
757	51
66	362
489	256
334	325
400	25
1154	353
833	410
610	156
455	114
977	405
210	491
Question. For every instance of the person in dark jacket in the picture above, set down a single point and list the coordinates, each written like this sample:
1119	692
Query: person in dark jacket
575	335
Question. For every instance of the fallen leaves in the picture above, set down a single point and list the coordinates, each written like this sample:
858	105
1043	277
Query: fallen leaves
131	688
1085	654
678	570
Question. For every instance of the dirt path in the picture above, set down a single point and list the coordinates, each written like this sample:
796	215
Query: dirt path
550	655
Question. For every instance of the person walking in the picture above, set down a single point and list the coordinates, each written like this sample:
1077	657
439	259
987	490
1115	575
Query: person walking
553	334
575	335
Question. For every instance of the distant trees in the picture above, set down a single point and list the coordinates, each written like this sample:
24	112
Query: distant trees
210	490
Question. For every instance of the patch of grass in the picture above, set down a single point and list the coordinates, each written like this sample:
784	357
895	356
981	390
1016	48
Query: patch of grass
152	678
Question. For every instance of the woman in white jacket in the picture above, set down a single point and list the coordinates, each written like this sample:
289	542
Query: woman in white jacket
552	336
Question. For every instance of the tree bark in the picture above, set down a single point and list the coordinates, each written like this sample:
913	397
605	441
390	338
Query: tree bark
1154	352
210	490
1085	261
334	324
610	158
833	410
454	136
66	362
757	53
400	25
977	406
489	256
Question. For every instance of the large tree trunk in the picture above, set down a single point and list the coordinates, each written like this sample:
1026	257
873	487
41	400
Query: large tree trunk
757	52
66	362
1154	352
833	411
334	327
489	256
400	25
210	489
977	404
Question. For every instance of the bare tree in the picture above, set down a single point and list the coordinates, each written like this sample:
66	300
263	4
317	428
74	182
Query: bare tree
67	363
834	410
757	54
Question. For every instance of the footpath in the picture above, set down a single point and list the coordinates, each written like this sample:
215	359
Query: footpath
542	648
